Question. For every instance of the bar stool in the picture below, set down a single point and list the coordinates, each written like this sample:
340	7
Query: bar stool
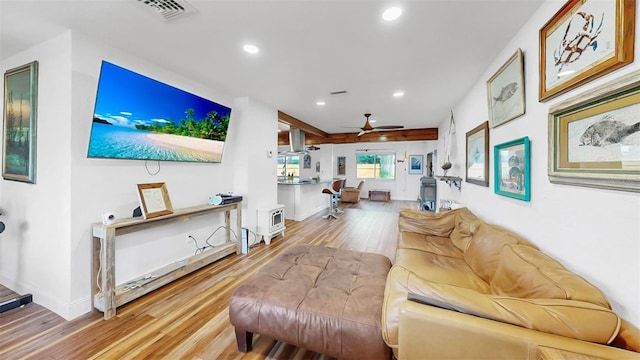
333	193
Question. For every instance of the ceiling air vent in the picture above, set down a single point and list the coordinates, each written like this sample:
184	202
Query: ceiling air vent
169	9
340	92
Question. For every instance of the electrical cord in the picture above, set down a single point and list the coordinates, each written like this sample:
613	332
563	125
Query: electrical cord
146	166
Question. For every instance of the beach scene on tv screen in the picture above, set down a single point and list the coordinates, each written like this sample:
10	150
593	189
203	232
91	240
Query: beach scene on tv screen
137	117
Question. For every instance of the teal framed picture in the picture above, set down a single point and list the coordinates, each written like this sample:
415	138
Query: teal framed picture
513	169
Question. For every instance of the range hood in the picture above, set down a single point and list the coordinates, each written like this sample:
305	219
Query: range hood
296	141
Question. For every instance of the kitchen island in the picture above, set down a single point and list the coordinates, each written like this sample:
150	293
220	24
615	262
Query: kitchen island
302	198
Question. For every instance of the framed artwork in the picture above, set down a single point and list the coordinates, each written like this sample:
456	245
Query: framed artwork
513	169
307	162
154	200
478	155
584	40
505	91
416	164
594	138
317	166
341	165
20	113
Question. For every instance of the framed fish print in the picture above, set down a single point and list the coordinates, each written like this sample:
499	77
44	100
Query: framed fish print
505	91
594	138
20	113
513	169
584	40
478	155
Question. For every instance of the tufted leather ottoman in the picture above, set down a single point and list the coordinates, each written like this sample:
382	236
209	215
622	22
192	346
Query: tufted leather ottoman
322	299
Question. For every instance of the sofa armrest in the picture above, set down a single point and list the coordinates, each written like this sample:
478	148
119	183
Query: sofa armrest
569	318
427	223
429	332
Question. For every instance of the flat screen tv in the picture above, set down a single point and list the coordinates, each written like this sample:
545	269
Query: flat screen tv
136	117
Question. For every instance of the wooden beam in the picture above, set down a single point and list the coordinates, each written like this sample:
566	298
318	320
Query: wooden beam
293	122
376	136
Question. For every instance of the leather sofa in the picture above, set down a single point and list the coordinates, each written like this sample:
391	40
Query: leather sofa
463	288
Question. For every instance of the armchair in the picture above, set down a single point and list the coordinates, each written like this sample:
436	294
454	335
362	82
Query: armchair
352	194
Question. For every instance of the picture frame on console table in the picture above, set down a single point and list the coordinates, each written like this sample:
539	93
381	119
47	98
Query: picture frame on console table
584	40
154	200
477	169
20	114
594	137
513	169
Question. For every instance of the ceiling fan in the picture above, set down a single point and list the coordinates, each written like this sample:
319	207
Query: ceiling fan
367	128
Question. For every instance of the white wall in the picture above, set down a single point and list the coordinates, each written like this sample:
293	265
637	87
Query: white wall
594	232
46	249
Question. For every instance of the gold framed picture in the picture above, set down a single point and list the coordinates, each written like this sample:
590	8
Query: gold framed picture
584	40
505	91
594	138
154	200
477	171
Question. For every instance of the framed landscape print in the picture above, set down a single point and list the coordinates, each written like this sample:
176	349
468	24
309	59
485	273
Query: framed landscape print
478	155
20	113
513	169
416	164
594	138
505	91
584	40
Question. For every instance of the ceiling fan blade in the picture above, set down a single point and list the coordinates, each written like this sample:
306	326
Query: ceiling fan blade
362	132
389	127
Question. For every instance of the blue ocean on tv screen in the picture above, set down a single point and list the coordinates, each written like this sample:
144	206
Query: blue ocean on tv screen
136	117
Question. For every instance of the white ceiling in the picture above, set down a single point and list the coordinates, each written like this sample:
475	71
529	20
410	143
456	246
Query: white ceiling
434	52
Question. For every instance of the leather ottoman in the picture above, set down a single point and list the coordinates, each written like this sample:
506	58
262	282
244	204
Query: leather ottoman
323	299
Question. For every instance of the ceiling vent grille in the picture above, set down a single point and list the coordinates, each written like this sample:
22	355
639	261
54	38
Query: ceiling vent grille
339	92
169	10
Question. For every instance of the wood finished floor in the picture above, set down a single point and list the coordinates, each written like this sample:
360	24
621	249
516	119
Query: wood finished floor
188	319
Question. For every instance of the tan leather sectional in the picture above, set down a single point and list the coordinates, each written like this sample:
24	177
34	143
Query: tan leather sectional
463	288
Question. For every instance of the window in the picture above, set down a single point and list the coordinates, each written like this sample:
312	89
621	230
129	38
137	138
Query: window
376	166
288	164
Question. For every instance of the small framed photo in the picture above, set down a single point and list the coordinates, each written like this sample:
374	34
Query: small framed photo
20	110
342	165
505	91
594	137
513	169
416	164
478	155
154	200
584	40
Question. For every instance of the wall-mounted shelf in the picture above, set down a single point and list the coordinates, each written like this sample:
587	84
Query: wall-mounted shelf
451	180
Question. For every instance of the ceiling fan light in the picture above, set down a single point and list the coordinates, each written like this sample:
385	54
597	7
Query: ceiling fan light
391	13
250	49
398	94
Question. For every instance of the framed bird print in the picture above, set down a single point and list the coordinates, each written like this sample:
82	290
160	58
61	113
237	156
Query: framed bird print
505	91
584	40
594	138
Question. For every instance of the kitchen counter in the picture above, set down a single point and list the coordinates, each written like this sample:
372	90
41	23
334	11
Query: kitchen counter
304	198
303	182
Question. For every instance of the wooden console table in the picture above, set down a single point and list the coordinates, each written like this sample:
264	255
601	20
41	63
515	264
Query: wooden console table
106	296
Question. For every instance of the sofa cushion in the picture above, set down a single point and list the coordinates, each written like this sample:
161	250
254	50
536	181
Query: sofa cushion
423	222
433	244
441	269
484	250
465	224
525	272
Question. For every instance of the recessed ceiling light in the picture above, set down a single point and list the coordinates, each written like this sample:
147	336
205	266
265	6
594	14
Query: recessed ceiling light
392	13
398	93
320	103
251	49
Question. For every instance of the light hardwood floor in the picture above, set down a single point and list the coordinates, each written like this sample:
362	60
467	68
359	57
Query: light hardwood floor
188	319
